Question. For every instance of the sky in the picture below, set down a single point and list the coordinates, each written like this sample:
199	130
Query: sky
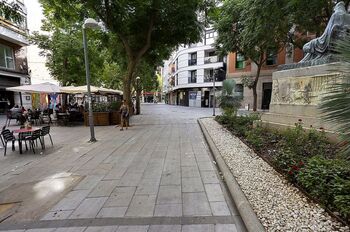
34	14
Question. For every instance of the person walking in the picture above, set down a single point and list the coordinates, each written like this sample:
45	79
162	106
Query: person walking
124	115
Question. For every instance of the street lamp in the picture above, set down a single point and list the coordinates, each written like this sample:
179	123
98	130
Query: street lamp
137	95
89	23
214	103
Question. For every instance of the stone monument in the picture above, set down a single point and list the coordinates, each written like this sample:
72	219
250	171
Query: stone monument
298	88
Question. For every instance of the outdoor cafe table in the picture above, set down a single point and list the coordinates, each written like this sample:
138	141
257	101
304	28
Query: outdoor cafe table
23	130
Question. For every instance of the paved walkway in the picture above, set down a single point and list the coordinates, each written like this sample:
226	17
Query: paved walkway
156	176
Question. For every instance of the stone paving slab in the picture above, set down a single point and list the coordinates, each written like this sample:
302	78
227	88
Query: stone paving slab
158	172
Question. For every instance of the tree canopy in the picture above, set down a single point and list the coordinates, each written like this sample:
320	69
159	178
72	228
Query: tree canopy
253	28
142	27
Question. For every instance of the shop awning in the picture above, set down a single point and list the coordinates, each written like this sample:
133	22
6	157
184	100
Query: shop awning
36	88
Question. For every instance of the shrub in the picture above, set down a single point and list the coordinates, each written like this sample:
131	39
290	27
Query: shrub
328	181
255	137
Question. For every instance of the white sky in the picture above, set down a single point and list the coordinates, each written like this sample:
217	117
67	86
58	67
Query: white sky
34	15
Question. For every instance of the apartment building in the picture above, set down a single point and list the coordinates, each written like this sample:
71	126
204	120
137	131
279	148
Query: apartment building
13	59
191	71
239	67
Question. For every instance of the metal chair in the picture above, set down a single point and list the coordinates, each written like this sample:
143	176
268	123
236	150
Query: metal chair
33	138
45	131
8	136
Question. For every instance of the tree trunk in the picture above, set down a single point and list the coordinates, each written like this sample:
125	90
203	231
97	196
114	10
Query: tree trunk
255	94
127	83
138	108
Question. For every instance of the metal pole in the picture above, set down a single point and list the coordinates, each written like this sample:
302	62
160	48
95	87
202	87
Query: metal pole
214	95
91	119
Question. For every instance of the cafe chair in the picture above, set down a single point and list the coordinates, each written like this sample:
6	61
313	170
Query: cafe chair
45	131
8	136
24	137
33	139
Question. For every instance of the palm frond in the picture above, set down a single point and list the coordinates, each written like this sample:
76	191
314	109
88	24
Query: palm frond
335	104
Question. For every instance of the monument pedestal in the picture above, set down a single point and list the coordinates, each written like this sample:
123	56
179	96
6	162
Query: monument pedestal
296	95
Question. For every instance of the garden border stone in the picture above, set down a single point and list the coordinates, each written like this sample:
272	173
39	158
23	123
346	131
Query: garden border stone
246	211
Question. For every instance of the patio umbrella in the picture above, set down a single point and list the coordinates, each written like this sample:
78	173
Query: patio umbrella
36	88
94	89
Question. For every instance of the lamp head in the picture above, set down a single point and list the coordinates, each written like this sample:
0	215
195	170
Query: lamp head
138	78
91	23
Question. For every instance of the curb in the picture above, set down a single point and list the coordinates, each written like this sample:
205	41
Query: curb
248	216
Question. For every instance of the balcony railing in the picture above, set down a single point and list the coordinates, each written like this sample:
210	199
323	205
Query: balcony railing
192	62
208	78
211	59
192	79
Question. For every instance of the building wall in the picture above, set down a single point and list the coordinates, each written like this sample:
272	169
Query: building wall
250	70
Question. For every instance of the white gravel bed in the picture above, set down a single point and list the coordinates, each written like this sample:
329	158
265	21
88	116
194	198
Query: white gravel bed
279	205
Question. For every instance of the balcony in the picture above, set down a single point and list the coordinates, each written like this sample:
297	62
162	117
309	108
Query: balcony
192	62
208	79
192	79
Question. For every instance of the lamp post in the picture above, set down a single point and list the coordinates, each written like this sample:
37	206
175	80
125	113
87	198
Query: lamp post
137	95
89	23
214	95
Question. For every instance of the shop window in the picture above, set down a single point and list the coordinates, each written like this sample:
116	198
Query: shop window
240	61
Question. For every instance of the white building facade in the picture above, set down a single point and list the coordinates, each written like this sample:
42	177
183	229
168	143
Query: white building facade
191	71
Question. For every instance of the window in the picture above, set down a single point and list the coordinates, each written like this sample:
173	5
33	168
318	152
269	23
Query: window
209	35
240	61
193	77
192	59
239	90
177	80
6	57
271	58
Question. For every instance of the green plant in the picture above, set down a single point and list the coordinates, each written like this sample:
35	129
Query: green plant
328	181
101	107
228	101
255	137
115	106
335	103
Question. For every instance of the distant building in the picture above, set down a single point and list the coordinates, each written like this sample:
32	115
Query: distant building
191	70
238	66
13	59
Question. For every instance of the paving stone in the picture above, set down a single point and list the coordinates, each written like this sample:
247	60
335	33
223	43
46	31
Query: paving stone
165	228
206	166
209	177
112	212
195	204
121	196
169	194
89	208
198	228
189	172
192	185
57	215
171	210
171	178
14	230
219	208
104	188
41	230
101	229
130	179
133	229
71	200
71	229
147	187
225	228
89	182
214	192
141	206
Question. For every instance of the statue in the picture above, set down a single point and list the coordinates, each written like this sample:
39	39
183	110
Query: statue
319	48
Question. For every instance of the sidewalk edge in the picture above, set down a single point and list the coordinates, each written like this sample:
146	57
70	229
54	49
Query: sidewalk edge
247	213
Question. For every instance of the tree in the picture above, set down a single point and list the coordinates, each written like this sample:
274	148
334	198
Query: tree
335	104
61	44
141	26
309	16
253	28
9	10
